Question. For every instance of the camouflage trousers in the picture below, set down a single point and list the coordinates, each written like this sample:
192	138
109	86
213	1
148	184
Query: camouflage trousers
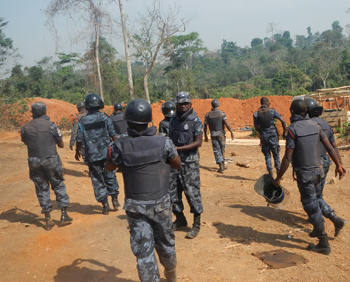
218	143
309	184
270	145
150	224
46	171
325	208
187	180
104	182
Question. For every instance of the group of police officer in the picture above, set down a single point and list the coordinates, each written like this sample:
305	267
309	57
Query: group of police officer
158	168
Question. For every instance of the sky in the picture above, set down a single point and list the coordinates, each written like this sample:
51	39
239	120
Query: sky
238	21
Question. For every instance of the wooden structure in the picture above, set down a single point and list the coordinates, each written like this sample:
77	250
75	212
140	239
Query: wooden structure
336	104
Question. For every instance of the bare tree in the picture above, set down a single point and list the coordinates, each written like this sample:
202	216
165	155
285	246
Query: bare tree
94	14
126	46
157	27
271	29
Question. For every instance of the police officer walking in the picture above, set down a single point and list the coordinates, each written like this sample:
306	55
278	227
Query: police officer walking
168	110
82	112
95	132
303	150
264	123
41	137
217	121
314	111
186	132
119	121
144	158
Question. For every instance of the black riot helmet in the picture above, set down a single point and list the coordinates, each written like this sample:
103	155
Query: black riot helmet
93	101
80	105
168	109
118	107
38	109
183	97
138	111
313	109
215	103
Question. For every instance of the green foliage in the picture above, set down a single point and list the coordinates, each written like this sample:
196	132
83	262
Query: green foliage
345	131
254	132
64	124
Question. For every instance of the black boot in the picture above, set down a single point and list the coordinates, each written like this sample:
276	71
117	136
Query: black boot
48	223
180	220
221	168
322	247
195	228
170	275
338	223
105	205
115	202
65	218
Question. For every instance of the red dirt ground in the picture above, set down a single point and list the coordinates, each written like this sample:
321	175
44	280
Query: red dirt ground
235	224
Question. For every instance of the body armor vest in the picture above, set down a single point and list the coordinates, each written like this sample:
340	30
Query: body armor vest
306	134
182	127
326	129
119	123
215	121
145	172
265	117
96	138
40	142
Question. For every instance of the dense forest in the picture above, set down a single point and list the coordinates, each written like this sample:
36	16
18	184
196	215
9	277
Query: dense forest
281	64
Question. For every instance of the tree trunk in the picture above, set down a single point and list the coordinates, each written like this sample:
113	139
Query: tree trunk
97	55
127	54
145	86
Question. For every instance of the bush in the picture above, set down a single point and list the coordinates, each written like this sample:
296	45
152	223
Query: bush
345	131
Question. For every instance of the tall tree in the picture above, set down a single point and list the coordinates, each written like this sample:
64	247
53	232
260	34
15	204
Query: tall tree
127	51
95	15
157	28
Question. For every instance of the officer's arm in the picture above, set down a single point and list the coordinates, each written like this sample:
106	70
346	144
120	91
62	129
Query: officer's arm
205	129
194	145
229	128
175	163
60	143
256	126
77	150
287	158
332	153
114	137
111	166
334	145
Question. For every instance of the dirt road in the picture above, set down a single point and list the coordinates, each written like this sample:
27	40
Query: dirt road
236	223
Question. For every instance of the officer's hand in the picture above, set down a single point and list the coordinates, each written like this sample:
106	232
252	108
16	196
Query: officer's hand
276	182
341	171
71	147
232	136
77	155
294	175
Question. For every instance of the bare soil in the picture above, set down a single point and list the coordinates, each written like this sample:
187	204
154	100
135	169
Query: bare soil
235	224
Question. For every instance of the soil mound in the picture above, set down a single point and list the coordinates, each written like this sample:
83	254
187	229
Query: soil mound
238	112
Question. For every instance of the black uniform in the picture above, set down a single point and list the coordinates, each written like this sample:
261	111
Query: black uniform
41	135
119	123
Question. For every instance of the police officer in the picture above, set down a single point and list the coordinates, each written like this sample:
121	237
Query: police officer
45	169
119	121
95	132
217	121
186	132
82	112
264	123
144	160
303	150
314	111
168	110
